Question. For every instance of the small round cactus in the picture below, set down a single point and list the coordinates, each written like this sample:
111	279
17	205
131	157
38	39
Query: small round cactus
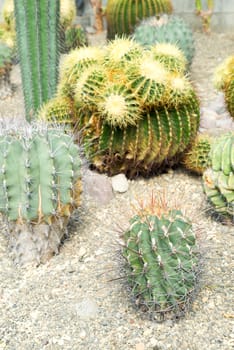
161	259
218	179
196	159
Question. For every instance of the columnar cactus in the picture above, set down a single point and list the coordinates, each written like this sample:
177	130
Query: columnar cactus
123	15
219	177
39	188
167	29
37	25
196	158
162	260
136	112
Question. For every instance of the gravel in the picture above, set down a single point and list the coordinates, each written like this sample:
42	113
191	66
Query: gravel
79	300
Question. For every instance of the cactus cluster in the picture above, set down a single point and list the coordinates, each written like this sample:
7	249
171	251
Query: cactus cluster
166	29
134	107
39	188
123	15
218	179
162	260
224	80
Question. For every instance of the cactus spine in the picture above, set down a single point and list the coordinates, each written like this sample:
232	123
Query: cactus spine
161	256
123	15
218	179
40	171
37	25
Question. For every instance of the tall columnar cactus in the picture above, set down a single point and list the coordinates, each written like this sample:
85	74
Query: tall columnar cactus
134	111
219	178
196	158
162	260
39	188
37	24
123	15
224	80
167	29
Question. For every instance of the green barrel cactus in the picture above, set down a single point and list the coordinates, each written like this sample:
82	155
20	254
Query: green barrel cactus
123	15
167	29
39	188
224	81
135	113
218	179
196	158
162	260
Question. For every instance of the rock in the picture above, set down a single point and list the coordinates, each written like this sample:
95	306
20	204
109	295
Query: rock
140	346
218	104
119	183
98	187
87	308
208	118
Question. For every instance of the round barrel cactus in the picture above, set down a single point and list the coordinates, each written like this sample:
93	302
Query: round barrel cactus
224	80
123	15
167	29
218	179
40	187
196	158
162	260
135	111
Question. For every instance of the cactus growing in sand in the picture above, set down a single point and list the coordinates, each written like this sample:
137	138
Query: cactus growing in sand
123	15
218	179
39	188
161	259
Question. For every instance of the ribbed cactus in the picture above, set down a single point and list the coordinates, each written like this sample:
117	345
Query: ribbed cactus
162	260
196	158
224	80
167	29
219	178
39	188
37	25
135	114
123	15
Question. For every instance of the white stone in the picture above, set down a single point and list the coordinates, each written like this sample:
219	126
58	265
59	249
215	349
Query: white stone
119	183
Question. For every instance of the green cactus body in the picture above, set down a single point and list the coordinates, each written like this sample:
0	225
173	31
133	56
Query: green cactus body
229	96
218	180
161	256
40	176
58	110
158	138
37	25
123	15
196	159
167	29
